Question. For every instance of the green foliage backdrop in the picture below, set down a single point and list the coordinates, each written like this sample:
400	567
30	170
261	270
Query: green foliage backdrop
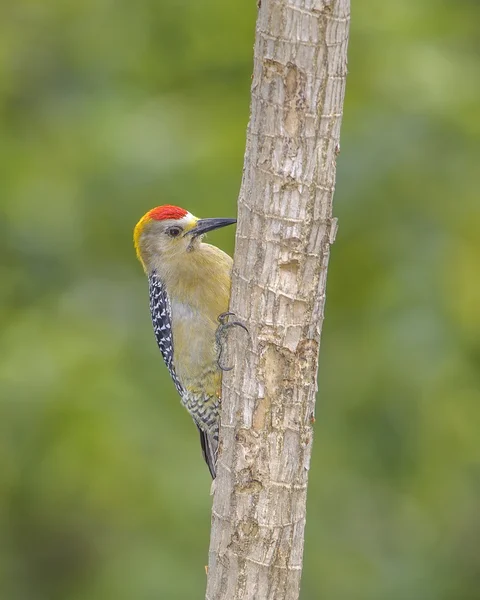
110	108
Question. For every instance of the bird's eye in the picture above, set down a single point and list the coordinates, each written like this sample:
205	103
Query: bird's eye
174	231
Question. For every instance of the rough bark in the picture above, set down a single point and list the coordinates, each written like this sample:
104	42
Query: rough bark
284	232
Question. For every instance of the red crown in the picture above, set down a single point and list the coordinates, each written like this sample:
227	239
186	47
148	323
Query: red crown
167	211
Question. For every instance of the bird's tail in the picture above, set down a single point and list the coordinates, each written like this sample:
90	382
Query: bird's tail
209	443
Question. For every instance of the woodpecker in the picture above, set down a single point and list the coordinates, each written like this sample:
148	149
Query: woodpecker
189	287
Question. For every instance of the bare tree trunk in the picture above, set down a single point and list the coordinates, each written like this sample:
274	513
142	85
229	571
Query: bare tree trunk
284	233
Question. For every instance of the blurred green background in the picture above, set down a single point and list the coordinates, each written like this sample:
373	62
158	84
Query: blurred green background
110	108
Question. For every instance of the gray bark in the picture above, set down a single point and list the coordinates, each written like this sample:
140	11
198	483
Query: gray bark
284	233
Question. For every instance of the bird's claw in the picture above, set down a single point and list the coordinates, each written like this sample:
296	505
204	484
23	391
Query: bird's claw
223	367
222	318
221	333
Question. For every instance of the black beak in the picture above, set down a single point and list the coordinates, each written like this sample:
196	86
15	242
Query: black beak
205	225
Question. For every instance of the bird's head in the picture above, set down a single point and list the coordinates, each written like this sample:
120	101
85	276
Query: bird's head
166	232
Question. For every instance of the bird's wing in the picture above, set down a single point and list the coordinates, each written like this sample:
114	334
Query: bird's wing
209	451
161	312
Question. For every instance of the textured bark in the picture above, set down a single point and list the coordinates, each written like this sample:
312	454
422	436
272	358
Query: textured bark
284	233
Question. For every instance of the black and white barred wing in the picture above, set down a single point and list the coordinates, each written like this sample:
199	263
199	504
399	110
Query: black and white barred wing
161	312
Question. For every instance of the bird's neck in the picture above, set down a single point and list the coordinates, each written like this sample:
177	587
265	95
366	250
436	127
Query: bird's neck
198	278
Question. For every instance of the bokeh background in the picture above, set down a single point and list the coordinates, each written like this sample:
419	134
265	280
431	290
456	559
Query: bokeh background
110	108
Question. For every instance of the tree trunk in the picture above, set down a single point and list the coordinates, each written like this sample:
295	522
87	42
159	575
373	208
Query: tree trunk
284	232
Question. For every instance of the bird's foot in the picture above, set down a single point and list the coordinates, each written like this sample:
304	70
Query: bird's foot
221	334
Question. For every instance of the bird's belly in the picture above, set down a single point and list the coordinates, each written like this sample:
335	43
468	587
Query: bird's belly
194	350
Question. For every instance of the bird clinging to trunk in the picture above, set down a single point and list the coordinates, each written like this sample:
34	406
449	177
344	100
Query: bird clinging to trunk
189	285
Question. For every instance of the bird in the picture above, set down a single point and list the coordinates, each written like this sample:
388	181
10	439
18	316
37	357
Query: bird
189	289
